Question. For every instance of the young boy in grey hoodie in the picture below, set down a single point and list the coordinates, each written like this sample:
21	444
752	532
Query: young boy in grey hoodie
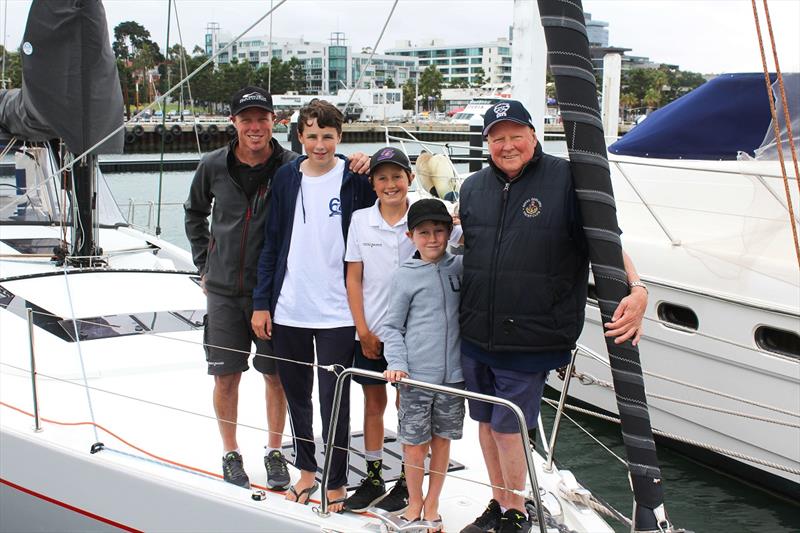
422	343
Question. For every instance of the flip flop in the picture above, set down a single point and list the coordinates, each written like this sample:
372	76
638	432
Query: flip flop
338	500
435	525
307	492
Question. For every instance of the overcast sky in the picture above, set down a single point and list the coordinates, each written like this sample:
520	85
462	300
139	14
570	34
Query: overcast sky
707	36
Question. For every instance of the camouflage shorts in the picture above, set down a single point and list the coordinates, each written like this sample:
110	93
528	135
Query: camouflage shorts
425	413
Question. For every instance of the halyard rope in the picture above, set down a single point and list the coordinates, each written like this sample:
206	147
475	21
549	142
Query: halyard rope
776	125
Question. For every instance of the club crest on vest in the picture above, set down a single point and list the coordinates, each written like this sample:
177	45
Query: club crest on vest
531	207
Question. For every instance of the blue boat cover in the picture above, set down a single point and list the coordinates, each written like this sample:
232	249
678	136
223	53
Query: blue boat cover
715	121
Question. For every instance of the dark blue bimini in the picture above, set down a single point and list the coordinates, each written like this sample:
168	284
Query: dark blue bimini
717	120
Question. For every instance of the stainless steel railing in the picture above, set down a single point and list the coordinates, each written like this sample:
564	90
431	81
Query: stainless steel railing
523	430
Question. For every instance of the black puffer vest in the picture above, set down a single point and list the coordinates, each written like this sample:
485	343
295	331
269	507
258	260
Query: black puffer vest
525	272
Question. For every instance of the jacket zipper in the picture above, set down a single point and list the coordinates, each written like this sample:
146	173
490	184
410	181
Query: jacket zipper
495	257
446	329
242	248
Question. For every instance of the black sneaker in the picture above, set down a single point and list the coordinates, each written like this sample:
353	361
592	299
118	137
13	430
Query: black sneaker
488	521
233	470
277	472
514	521
397	499
370	492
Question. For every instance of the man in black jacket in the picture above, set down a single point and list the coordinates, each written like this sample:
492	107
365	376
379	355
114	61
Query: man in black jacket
523	295
237	178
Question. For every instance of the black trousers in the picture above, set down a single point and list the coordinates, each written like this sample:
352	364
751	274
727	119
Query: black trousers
333	346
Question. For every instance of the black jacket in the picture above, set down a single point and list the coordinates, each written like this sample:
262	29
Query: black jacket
227	254
525	261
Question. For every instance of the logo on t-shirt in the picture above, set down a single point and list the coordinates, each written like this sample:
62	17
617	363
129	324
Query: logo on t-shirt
335	206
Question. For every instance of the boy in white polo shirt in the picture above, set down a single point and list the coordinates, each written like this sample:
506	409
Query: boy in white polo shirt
376	247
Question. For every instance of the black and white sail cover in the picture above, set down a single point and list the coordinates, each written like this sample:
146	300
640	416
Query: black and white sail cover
571	66
70	86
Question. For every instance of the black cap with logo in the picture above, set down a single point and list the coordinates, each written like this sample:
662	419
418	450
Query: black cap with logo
250	97
389	155
427	209
512	110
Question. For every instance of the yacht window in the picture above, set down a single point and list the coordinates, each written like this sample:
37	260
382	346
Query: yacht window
778	341
678	315
33	246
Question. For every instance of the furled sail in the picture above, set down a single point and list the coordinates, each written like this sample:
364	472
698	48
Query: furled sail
571	66
70	86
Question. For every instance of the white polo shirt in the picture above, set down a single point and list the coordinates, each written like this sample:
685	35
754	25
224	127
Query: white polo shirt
381	249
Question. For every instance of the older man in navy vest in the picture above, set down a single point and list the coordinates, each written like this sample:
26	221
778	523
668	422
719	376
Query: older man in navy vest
526	271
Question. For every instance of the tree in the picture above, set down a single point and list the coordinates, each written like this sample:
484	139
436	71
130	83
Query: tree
409	93
479	78
129	37
459	83
13	69
430	86
390	84
298	75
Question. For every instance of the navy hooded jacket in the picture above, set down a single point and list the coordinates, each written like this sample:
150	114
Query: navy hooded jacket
355	193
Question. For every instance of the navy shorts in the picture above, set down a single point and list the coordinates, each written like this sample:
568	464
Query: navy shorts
364	363
228	337
523	388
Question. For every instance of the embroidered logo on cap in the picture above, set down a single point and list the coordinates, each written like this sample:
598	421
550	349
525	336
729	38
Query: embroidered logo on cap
388	153
252	96
501	110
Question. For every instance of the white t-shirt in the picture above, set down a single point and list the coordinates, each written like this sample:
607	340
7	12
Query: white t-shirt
313	294
381	249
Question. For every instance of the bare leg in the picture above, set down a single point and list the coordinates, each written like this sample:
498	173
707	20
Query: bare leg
440	458
226	407
514	467
414	457
276	409
374	407
492	460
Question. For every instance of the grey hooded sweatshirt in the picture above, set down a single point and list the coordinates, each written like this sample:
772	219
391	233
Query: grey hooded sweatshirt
422	336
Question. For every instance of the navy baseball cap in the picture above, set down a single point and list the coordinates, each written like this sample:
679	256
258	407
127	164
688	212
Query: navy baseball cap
427	209
512	110
389	155
250	97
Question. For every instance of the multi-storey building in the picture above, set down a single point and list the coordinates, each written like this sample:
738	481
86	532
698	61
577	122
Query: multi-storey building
328	66
489	61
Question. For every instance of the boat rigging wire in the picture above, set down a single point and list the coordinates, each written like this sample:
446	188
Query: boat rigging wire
586	379
775	123
163	125
369	59
80	353
590	380
184	70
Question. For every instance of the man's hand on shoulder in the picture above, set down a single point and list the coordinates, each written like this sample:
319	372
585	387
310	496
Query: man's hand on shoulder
359	163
